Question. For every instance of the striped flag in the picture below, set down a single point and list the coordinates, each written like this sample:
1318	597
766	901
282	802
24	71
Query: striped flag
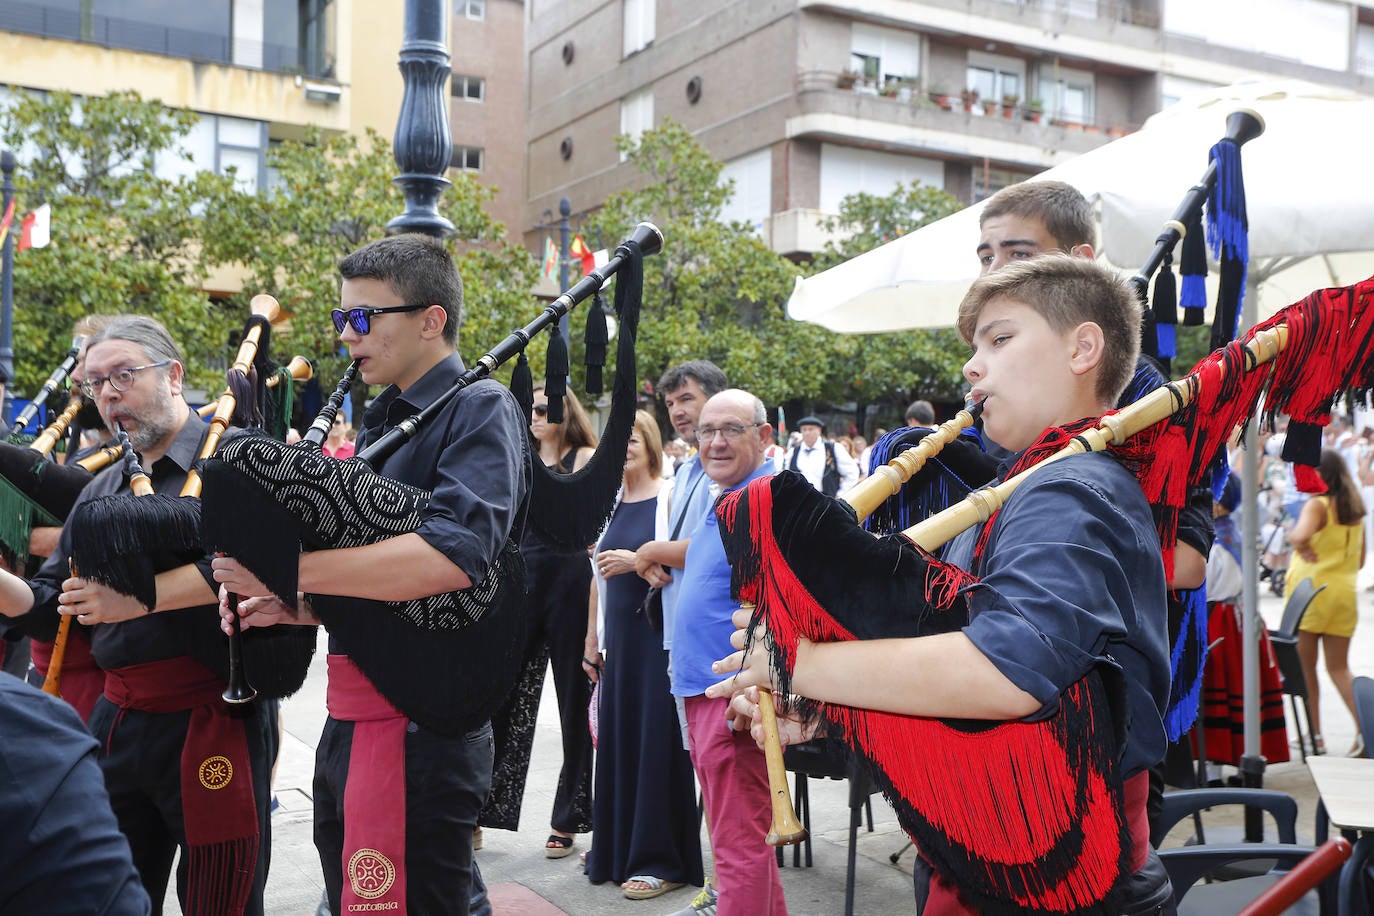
579	250
550	259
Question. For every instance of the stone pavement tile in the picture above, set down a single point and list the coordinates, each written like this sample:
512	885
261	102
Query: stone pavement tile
510	899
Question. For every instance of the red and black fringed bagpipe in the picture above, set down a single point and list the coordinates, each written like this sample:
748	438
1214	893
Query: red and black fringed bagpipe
124	541
266	502
1040	825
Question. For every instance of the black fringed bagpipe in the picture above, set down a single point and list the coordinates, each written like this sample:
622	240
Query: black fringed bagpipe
569	511
34	490
1040	827
265	502
124	540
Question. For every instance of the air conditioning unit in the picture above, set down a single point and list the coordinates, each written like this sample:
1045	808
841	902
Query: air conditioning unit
327	93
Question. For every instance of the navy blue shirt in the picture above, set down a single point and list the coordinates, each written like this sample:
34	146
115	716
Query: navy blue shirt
153	637
1072	575
62	851
474	456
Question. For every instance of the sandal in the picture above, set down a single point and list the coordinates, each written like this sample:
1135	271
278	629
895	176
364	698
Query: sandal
556	847
656	887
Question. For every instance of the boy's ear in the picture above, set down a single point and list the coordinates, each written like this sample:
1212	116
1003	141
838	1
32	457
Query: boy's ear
1089	347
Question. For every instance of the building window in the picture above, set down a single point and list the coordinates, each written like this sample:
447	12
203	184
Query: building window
638	24
636	114
472	9
466	158
1364	49
473	88
217	143
987	181
995	78
883	55
1068	94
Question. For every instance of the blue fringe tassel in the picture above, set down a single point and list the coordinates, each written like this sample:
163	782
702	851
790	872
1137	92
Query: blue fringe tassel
1185	689
1166	336
1228	222
918	498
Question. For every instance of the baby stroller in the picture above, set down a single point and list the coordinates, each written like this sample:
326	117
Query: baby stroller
1274	553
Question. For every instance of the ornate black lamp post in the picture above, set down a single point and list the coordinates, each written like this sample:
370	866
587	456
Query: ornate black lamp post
424	144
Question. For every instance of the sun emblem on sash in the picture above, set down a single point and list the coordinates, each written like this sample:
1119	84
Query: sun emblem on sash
215	772
370	873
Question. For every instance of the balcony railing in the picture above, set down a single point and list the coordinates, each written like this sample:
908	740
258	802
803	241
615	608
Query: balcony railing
908	93
135	35
1108	10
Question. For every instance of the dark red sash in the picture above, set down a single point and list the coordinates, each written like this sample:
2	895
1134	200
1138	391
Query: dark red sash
219	811
374	852
82	680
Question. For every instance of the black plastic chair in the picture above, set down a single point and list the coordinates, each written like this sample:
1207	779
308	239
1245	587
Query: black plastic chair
1189	864
828	759
1299	870
1285	643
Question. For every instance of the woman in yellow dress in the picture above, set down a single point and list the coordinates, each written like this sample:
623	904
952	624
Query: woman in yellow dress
1328	546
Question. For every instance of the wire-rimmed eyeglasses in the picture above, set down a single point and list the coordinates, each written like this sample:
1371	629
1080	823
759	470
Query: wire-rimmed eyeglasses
120	379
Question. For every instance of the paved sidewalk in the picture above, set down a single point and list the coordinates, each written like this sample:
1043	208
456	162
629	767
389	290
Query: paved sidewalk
525	882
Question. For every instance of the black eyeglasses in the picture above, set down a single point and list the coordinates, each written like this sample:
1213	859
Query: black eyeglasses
360	319
541	410
120	379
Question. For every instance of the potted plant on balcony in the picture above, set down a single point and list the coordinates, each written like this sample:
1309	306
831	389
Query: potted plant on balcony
1035	110
990	107
941	97
890	88
1009	105
970	98
847	79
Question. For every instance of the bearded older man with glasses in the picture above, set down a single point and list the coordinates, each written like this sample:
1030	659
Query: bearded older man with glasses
184	770
732	435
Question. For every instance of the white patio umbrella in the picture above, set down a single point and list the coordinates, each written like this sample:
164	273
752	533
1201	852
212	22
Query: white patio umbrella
1311	213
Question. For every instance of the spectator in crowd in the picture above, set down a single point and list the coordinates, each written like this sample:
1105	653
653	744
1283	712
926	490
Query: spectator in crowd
557	581
1328	548
829	469
644	812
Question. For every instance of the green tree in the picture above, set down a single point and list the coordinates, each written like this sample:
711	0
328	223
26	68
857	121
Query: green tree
717	291
890	370
333	194
123	239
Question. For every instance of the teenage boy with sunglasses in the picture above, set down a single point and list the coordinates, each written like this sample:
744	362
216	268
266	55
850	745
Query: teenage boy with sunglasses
401	302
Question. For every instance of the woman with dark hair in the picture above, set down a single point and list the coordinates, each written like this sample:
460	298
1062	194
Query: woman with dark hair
556	580
1328	547
644	813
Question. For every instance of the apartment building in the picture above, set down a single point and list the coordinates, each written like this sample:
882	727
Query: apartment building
809	100
260	71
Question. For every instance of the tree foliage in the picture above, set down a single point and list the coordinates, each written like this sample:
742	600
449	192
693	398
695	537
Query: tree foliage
716	291
899	367
334	194
124	240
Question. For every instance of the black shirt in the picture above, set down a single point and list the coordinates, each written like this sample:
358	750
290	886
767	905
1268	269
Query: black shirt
474	456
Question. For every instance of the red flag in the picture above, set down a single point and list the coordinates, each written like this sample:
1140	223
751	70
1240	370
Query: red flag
579	250
9	218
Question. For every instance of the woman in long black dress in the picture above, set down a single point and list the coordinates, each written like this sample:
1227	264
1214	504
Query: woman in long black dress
644	820
554	579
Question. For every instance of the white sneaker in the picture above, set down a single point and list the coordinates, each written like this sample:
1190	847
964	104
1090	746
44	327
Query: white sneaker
703	905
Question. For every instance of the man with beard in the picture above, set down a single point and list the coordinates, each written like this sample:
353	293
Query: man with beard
184	770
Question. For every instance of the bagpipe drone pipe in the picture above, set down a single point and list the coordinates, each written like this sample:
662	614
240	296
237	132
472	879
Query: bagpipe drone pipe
124	540
811	572
266	502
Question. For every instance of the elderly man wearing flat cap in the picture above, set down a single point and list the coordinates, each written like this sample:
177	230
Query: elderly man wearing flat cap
829	469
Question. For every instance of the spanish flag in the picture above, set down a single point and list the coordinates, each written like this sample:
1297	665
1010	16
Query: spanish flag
579	250
36	229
